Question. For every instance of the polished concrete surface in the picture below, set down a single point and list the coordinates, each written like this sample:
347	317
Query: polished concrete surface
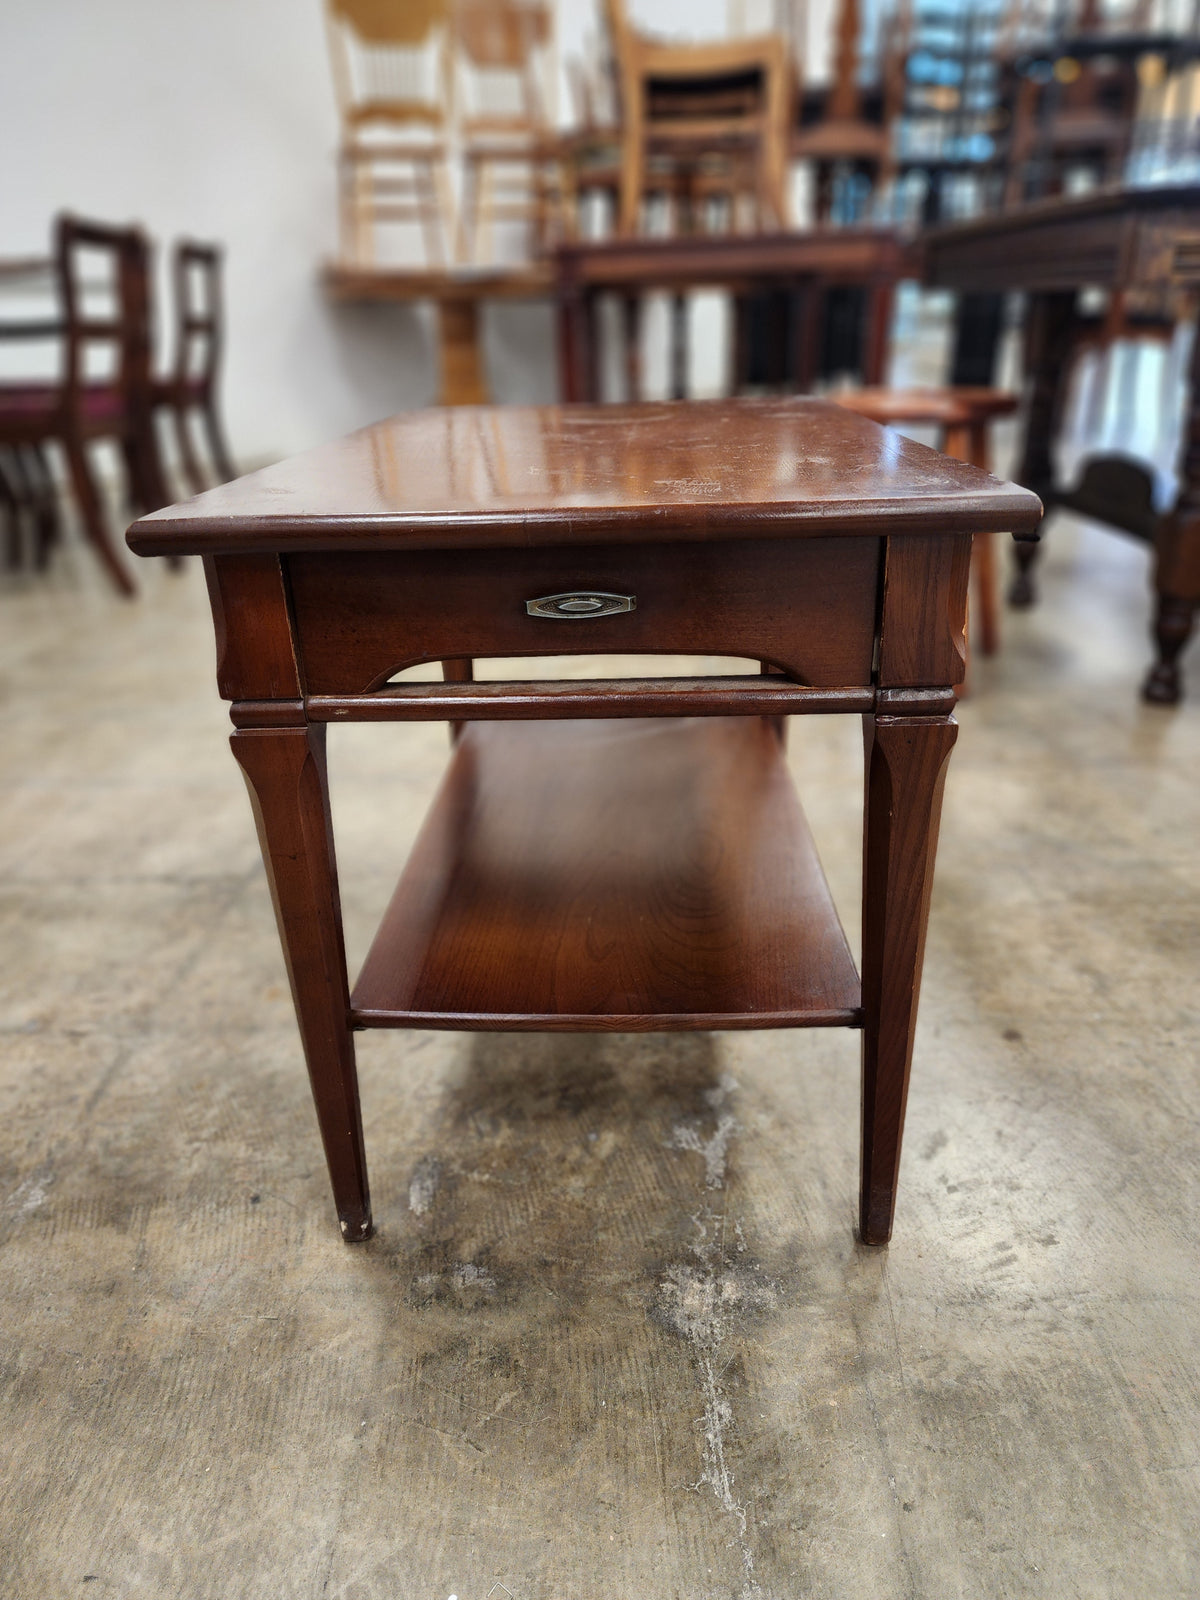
614	1337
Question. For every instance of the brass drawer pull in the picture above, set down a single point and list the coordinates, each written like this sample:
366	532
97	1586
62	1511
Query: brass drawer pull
580	604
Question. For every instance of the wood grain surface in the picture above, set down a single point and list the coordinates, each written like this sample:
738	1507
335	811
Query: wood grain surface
631	875
468	477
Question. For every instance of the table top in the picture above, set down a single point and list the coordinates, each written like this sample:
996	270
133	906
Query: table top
475	476
1072	243
721	258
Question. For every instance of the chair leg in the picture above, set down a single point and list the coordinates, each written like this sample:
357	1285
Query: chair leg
468	217
47	521
286	775
143	465
427	207
11	500
155	474
633	171
984	559
449	244
984	555
217	445
362	189
187	450
91	511
968	442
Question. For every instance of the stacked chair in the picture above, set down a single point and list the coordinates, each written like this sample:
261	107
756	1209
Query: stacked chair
413	76
702	122
393	76
512	157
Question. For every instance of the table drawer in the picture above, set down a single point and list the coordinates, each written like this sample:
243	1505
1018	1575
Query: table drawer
805	605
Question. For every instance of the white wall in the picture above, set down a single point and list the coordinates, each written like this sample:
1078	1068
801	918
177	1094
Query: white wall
216	118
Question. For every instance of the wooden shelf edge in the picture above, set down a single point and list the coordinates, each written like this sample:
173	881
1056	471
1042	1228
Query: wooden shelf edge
587	1022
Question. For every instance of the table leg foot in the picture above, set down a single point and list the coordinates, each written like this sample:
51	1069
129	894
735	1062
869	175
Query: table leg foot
356	1230
1172	630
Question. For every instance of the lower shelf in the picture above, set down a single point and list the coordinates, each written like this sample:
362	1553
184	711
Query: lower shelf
629	875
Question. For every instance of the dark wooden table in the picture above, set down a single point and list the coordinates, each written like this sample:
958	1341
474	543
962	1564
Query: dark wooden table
606	854
808	264
1131	241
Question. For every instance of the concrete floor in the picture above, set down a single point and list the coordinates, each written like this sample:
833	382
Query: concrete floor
614	1337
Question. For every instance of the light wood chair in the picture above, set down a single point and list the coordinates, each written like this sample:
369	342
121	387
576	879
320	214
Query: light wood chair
963	416
716	114
393	75
511	151
842	138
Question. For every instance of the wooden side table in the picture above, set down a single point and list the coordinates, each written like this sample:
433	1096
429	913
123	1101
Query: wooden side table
608	854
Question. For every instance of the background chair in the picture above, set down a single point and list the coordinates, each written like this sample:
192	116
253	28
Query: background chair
191	386
394	82
963	417
84	405
511	151
842	139
716	114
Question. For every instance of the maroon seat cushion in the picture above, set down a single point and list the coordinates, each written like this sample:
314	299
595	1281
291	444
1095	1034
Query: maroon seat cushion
39	403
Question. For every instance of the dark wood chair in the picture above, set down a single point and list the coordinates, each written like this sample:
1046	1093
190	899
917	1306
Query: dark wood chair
963	417
82	406
190	388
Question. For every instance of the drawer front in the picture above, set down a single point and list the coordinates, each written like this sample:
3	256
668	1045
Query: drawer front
808	606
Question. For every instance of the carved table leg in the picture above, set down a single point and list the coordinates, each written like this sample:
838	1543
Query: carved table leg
286	775
1177	560
1172	630
1048	343
906	770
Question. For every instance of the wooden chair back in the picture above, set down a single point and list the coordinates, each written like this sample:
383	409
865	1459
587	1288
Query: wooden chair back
506	52
123	330
391	60
709	97
199	315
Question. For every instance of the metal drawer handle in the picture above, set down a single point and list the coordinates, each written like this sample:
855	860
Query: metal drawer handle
581	603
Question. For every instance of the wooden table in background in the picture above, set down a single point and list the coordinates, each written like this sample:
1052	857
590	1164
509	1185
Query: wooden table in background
809	262
1128	241
603	854
458	296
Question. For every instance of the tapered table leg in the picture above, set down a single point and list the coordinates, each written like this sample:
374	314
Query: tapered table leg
286	775
906	767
